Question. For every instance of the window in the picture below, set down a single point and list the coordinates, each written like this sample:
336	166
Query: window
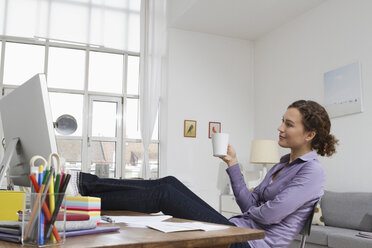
133	161
111	24
105	72
91	61
66	68
22	62
67	103
133	73
133	148
104	134
69	147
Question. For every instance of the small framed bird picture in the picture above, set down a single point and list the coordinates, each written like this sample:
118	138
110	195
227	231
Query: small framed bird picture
189	129
214	127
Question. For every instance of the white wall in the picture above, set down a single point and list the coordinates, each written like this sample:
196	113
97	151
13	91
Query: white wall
209	80
289	65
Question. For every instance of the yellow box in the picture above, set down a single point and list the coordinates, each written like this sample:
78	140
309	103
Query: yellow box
11	203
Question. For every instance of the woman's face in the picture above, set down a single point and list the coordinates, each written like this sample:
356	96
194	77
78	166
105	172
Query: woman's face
292	133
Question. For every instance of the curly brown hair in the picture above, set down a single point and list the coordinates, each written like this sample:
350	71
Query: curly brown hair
315	118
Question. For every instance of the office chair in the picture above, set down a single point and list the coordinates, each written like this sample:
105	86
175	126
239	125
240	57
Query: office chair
307	227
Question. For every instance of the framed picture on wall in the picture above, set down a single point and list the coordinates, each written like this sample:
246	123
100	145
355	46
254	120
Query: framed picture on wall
214	127
189	129
343	90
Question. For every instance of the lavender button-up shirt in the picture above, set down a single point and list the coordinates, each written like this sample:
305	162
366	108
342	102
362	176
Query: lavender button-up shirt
279	207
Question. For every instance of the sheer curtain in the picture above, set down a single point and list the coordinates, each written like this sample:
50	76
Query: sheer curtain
153	51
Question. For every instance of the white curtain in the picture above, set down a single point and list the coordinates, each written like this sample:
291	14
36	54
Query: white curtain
153	51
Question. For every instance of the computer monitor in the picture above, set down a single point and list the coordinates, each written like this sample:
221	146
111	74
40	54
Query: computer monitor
28	128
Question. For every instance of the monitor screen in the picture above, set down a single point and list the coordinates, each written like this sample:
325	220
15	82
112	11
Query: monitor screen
26	115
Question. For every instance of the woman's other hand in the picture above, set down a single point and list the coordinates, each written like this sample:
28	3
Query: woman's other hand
230	157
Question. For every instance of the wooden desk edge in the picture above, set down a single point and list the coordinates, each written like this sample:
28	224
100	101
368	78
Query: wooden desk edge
230	238
191	239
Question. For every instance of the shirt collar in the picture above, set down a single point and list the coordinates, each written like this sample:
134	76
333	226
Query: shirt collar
306	157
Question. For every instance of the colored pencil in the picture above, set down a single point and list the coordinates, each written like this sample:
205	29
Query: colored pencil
56	186
62	191
41	230
52	201
40	198
45	208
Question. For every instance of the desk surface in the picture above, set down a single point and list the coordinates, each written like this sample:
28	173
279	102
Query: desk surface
149	238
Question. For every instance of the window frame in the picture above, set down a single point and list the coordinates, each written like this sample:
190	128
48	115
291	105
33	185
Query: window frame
85	93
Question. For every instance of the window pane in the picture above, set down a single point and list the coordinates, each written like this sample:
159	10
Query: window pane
22	62
69	21
132	119
103	158
21	19
66	68
134	32
72	104
2	12
105	78
135	5
104	119
155	133
115	24
133	127
134	156
115	28
133	75
103	151
70	150
112	24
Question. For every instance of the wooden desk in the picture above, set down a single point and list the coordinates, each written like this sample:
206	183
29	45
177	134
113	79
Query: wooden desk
149	238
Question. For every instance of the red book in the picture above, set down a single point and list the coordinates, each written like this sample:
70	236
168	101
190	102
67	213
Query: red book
73	217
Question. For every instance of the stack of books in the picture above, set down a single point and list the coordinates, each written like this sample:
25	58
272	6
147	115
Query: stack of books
11	203
75	222
82	215
11	231
87	205
81	224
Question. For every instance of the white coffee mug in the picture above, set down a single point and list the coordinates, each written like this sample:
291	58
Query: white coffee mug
220	141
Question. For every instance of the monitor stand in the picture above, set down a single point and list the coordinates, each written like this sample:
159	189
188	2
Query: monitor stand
4	166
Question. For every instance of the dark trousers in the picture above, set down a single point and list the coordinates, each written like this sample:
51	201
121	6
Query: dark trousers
167	194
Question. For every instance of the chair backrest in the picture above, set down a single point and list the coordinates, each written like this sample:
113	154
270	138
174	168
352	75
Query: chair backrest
307	227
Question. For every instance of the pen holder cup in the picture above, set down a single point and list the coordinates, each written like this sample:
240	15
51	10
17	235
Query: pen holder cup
43	219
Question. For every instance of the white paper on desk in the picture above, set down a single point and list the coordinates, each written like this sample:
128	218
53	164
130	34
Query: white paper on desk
135	225
140	220
184	226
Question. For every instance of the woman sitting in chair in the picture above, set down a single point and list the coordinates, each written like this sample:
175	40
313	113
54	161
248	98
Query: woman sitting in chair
280	205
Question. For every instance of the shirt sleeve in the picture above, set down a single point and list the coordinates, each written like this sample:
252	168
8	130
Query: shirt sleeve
307	185
243	196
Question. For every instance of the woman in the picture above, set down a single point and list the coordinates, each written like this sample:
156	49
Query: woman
279	205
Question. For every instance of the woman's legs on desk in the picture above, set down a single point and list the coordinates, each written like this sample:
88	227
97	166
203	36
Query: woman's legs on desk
93	184
167	194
